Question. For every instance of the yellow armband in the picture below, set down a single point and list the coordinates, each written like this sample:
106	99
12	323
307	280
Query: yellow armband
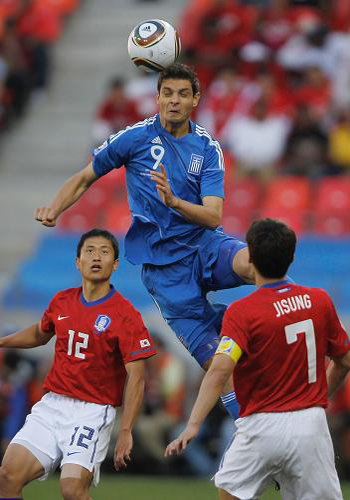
228	346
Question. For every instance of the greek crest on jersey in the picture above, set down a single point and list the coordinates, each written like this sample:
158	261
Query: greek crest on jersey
195	165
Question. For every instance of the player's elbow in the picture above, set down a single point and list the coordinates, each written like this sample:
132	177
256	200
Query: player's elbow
215	221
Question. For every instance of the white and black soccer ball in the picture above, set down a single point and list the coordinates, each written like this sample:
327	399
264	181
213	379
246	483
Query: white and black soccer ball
153	45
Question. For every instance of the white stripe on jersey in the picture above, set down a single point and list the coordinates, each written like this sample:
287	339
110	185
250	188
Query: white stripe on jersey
202	132
147	121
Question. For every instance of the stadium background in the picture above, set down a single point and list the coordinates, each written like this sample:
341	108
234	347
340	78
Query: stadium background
56	65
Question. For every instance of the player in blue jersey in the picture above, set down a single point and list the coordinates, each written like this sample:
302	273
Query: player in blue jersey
175	182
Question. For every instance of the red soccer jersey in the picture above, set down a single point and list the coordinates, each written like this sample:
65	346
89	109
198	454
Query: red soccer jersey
94	340
285	332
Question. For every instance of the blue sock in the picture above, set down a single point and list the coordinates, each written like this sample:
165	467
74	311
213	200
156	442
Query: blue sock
230	402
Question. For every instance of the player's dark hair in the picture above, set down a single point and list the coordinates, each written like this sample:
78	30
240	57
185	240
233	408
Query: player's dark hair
271	245
104	234
178	71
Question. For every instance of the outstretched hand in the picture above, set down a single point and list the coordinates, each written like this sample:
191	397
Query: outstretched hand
178	445
46	216
163	187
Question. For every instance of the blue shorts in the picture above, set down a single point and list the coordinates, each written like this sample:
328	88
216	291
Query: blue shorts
179	290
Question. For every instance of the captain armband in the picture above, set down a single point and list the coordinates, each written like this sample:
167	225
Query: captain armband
229	347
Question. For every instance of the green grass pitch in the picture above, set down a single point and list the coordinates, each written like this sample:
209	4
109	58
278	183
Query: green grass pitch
129	487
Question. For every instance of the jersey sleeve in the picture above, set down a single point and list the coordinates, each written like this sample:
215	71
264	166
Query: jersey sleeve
113	153
134	341
338	340
234	328
212	178
47	320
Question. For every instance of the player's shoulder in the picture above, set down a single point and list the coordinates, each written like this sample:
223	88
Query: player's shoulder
66	294
123	305
203	135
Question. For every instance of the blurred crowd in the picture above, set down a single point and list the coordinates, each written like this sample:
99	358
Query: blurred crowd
28	29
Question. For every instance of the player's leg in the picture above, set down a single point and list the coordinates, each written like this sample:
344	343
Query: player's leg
83	434
308	468
224	495
232	267
75	482
178	293
248	464
19	467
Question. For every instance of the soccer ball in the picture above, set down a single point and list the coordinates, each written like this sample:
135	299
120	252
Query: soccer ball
153	45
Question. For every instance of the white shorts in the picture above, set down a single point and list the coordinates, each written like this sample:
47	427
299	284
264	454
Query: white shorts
293	448
61	430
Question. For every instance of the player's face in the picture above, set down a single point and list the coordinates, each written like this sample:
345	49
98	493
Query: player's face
96	261
176	101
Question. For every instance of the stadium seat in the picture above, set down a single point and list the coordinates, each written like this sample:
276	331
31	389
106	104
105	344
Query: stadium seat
117	217
332	224
237	222
288	193
76	220
333	195
296	219
244	195
332	207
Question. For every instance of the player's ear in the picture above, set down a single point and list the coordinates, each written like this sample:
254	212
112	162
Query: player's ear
77	263
196	98
115	264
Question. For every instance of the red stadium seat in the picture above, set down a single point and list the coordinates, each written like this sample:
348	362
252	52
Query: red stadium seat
333	195
237	222
287	193
244	195
76	220
117	217
296	219
333	225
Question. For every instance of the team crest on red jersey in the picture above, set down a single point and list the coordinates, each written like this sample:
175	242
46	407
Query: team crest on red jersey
102	323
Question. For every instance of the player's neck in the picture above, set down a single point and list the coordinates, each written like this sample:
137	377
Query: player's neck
177	130
95	290
260	280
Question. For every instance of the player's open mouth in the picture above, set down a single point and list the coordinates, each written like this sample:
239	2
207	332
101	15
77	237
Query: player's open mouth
95	267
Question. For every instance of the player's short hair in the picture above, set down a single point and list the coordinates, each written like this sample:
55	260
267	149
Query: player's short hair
99	232
178	71
271	245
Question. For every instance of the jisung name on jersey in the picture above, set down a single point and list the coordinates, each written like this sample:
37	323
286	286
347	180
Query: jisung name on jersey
291	304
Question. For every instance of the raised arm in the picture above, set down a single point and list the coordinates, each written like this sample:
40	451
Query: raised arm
211	388
133	396
33	336
208	215
337	371
67	195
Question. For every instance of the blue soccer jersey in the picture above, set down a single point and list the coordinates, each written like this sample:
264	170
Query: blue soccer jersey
195	168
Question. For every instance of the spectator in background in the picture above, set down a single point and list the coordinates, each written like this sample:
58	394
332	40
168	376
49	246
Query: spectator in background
315	93
306	148
18	79
213	33
164	399
339	143
15	375
114	113
38	26
257	141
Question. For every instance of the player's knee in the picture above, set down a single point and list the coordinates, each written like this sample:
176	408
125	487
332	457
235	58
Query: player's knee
242	266
74	489
9	479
